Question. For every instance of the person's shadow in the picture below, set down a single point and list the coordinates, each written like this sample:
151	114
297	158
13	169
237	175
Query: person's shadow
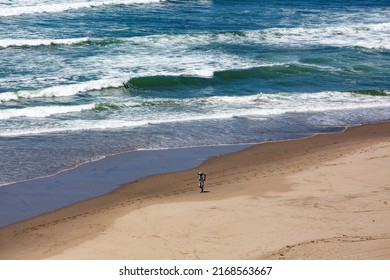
205	192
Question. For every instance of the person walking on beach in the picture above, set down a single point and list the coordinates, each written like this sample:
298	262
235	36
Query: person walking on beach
202	178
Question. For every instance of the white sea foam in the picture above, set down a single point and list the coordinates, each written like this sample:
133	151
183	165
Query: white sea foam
259	106
373	36
75	125
117	71
370	35
263	105
148	56
36	7
62	90
6	43
43	111
7	96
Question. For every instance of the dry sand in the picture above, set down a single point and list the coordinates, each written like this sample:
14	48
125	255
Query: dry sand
324	197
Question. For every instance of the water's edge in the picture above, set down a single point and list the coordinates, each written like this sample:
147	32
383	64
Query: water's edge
23	200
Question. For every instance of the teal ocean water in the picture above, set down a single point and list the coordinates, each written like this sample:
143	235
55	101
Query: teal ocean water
80	80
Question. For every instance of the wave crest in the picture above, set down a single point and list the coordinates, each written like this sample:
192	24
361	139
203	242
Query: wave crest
62	7
8	43
371	36
164	81
218	77
43	111
373	92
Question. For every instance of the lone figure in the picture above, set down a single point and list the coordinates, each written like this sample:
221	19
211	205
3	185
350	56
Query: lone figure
202	178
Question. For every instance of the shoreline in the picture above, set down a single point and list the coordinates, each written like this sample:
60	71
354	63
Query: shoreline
232	178
18	201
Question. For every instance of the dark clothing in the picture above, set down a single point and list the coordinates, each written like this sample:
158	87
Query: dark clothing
202	178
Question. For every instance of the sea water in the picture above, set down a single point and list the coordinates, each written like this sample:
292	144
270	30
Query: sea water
80	80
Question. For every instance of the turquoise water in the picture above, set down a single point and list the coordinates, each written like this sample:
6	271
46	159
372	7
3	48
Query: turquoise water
80	80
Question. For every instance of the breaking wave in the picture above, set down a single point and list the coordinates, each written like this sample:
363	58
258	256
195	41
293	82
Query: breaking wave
7	43
138	111
62	7
164	82
224	76
43	111
371	36
61	90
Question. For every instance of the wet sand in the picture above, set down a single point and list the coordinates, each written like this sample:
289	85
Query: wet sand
23	200
324	197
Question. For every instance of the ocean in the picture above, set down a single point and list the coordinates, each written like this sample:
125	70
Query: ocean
81	80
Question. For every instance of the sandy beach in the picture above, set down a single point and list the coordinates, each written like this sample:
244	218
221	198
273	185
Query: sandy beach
323	197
